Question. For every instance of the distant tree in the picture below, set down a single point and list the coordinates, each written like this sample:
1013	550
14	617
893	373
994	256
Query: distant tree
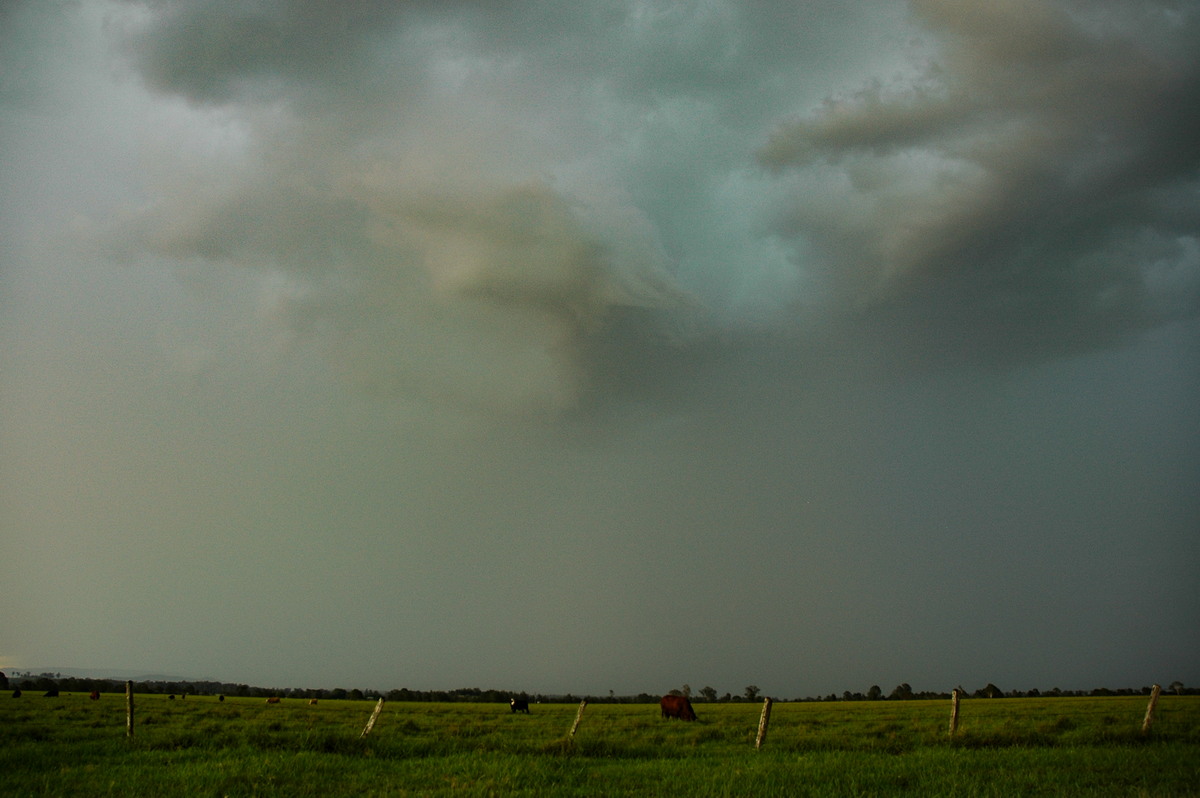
751	692
1176	686
3	681
686	691
875	693
709	693
989	691
337	693
903	692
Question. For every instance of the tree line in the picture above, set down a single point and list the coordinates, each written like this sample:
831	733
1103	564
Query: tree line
903	692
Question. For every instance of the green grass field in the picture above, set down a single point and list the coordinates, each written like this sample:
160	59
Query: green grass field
1049	746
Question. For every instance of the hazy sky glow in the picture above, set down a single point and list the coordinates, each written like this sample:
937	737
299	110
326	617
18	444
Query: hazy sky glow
602	346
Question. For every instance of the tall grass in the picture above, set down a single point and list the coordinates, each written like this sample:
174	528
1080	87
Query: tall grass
243	747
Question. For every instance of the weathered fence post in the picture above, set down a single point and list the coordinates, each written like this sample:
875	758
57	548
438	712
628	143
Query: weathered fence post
578	717
1150	709
128	709
374	717
762	724
954	696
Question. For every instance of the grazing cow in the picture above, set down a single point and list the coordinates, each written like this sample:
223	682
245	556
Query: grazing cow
51	693
171	697
95	695
519	705
220	698
677	706
312	702
273	699
17	693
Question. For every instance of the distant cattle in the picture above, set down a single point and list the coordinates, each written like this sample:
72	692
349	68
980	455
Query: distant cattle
94	695
220	698
51	693
677	706
312	702
17	693
273	699
519	705
171	697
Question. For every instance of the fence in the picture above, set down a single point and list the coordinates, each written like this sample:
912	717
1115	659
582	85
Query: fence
792	725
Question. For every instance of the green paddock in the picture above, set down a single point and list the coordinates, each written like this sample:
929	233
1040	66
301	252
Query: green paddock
71	745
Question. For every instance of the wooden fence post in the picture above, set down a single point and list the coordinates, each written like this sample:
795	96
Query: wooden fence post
374	717
578	717
954	696
128	709
763	720
1150	709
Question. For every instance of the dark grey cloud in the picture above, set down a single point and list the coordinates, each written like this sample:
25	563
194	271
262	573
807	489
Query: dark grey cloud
1033	193
217	51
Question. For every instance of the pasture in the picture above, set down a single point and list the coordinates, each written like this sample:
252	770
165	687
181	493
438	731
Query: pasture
71	745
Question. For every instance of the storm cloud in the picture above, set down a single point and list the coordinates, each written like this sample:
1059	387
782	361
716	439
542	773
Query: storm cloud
855	311
1029	190
1016	182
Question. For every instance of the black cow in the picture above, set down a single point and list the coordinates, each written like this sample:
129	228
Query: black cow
17	693
677	706
51	693
519	705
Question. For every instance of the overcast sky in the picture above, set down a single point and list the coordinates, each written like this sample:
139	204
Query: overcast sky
601	346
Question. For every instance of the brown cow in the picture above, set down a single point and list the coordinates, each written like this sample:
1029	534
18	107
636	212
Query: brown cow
677	706
273	699
312	702
95	695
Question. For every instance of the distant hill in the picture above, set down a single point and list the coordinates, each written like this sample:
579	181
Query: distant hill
115	674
